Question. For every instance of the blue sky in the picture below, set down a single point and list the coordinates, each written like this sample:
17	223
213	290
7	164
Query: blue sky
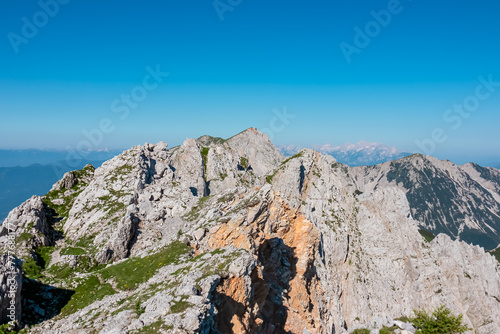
227	75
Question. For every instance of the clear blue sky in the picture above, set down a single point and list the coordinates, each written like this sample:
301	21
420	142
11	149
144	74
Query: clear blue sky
227	75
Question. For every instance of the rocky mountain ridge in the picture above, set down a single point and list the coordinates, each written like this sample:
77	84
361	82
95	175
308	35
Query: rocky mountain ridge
229	236
460	201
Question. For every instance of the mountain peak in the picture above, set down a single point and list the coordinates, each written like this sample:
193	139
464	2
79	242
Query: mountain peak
250	133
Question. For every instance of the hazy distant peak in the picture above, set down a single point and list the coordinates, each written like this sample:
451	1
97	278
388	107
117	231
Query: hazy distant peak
359	154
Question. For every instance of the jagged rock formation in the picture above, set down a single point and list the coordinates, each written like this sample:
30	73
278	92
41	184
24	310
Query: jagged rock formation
229	236
461	201
28	225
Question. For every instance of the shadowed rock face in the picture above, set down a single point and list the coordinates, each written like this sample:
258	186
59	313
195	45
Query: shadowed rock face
11	284
229	236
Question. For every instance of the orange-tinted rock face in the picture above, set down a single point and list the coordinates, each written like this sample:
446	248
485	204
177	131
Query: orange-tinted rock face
283	292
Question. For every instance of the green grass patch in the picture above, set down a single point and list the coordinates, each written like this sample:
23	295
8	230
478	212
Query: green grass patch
428	236
388	330
180	306
298	155
154	328
361	331
124	169
45	255
112	205
61	272
85	242
32	269
87	292
138	308
244	163
269	178
134	271
203	201
23	237
8	329
226	198
209	140
496	253
120	172
248	201
204	153
221	268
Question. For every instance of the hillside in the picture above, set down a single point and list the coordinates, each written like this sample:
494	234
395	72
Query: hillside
460	201
229	236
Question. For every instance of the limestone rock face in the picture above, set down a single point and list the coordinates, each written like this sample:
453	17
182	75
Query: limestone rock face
158	186
228	236
71	179
28	224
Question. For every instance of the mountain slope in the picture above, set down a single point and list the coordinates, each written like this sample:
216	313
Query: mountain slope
461	201
221	236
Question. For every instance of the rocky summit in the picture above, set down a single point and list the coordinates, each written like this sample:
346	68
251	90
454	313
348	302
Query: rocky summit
229	236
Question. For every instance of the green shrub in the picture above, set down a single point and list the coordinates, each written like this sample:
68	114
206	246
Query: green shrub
44	254
428	236
361	331
441	321
9	329
25	236
496	253
138	308
388	330
180	306
32	269
4	329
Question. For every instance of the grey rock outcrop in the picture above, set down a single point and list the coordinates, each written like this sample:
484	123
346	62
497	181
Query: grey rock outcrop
11	283
28	224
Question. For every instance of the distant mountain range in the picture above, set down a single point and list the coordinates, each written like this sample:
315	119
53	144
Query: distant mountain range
360	154
24	158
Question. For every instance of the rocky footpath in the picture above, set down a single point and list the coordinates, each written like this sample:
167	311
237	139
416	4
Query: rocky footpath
229	236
